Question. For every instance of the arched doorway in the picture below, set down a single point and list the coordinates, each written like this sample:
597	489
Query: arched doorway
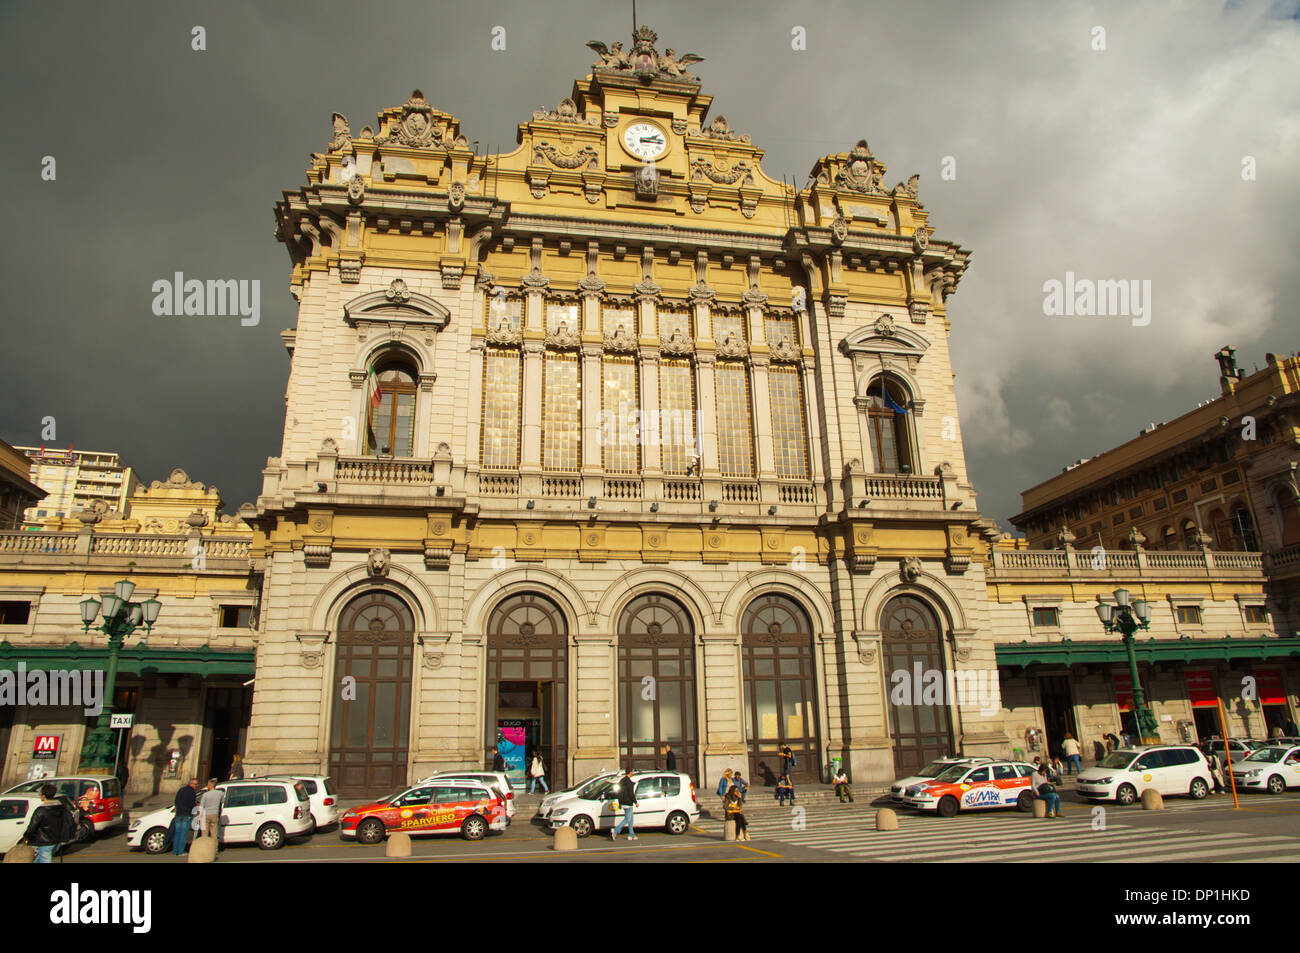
370	726
527	687
912	642
656	684
780	689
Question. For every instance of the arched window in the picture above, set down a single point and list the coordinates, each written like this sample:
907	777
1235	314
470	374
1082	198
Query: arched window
1288	516
780	688
1243	529
390	417
1190	532
887	424
913	643
656	683
1221	530
1168	538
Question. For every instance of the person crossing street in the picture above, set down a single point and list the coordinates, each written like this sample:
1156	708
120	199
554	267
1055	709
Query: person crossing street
626	801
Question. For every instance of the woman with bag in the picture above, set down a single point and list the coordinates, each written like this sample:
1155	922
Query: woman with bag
734	809
1044	789
537	775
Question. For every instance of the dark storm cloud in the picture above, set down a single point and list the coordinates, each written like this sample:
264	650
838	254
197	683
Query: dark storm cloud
1115	164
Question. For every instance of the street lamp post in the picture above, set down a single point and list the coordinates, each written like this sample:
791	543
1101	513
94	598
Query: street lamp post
121	618
1126	618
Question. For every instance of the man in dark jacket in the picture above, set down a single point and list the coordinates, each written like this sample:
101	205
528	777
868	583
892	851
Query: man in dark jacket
670	758
186	798
627	801
49	825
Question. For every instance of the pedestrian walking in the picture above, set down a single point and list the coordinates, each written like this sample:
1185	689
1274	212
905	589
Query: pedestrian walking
627	802
236	769
670	758
1216	772
1070	747
186	798
735	811
1111	741
787	759
724	785
741	785
1044	789
842	787
537	775
1291	730
498	762
51	824
210	810
784	790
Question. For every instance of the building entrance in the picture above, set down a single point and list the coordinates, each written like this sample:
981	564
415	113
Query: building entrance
780	694
912	640
1058	712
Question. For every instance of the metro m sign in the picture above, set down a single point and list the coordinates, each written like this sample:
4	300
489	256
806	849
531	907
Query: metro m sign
46	747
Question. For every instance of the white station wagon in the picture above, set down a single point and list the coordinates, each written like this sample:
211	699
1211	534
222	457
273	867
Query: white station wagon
261	811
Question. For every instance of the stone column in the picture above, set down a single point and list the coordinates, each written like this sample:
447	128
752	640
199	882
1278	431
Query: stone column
530	457
706	417
651	456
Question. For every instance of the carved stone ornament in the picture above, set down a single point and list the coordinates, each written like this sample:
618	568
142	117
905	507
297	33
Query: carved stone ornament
433	660
312	659
535	280
643	61
95	513
677	343
921	240
885	326
699	202
647	290
377	562
591	283
719	128
505	331
701	292
610	117
566	111
785	350
702	168
586	156
563	337
647	182
415	128
839	229
456	196
963	653
356	190
732	346
342	139
861	174
679	126
912	569
177	480
867	655
911	189
1136	538
397	292
753	296
619	340
1065	539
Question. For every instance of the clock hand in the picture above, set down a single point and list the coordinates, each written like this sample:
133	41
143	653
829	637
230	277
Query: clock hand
654	139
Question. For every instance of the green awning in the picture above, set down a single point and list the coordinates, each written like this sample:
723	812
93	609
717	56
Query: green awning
134	660
1067	652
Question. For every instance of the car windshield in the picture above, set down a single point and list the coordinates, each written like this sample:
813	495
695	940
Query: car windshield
934	769
1117	759
589	787
954	773
596	790
1269	755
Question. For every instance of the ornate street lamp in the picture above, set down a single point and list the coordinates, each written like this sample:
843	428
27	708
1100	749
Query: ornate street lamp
1126	618
121	618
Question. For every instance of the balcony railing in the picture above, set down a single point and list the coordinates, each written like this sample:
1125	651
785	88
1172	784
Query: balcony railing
136	545
383	471
882	486
562	487
622	489
1051	563
1285	559
498	484
54	543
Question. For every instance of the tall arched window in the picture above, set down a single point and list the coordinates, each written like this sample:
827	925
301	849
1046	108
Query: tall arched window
888	425
390	419
1221	530
1243	529
1190	532
780	688
656	683
1168	538
912	642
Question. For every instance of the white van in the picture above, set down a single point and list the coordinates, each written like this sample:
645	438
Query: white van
261	811
665	800
1123	775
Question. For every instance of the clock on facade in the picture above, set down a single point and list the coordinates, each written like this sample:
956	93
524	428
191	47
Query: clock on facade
645	140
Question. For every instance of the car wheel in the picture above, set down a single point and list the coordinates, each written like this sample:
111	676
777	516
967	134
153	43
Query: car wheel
1025	802
678	823
312	830
370	831
155	840
1276	784
1199	789
270	837
947	806
85	830
1127	794
474	828
581	825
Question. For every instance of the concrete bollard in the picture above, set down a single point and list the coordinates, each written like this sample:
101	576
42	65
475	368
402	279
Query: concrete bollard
886	819
729	830
20	854
203	850
1152	801
399	845
1040	807
566	838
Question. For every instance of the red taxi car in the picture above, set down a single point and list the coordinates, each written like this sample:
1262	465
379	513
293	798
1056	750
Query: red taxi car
99	798
974	787
468	808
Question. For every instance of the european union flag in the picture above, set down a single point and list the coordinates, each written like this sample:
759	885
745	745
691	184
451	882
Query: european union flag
889	402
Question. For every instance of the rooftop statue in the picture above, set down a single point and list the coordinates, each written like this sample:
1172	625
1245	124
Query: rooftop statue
644	61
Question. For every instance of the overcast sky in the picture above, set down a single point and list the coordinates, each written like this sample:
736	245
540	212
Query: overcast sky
1122	163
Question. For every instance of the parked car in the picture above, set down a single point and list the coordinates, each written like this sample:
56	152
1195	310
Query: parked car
16	813
1238	748
1272	769
974	787
582	788
493	779
325	807
929	773
99	799
664	799
1123	775
469	808
261	811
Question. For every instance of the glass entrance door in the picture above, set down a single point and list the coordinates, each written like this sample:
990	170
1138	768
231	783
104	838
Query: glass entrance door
780	691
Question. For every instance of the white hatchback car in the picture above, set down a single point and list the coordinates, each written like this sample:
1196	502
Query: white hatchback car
493	779
665	799
1269	769
325	808
929	773
1123	775
261	811
581	789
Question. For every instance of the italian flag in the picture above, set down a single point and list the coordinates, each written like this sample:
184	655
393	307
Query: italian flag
372	387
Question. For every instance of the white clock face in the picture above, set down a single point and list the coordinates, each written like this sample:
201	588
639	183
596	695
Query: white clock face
645	140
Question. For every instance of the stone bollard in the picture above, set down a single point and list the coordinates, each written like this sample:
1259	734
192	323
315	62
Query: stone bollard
1040	807
20	854
203	850
729	830
1152	801
399	845
886	819
566	838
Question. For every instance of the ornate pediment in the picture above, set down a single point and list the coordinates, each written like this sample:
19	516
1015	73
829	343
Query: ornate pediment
885	336
643	61
396	305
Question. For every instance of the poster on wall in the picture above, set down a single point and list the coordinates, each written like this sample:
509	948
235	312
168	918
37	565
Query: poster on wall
510	744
